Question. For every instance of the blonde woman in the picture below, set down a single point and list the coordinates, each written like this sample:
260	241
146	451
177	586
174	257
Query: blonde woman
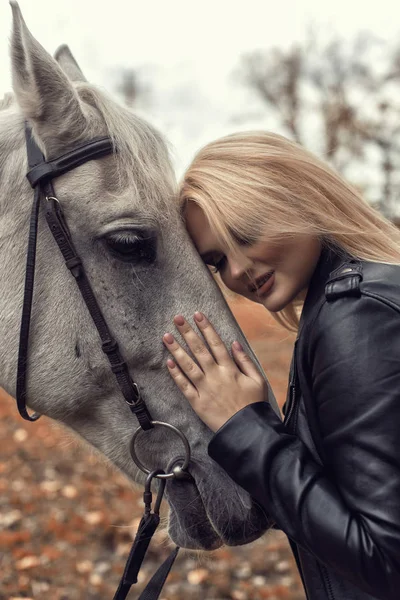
285	230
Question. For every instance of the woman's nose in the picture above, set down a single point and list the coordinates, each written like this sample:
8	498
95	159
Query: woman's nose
238	267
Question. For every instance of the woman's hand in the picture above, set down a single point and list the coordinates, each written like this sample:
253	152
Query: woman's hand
216	386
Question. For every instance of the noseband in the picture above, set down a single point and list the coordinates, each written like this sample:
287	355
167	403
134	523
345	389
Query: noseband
40	176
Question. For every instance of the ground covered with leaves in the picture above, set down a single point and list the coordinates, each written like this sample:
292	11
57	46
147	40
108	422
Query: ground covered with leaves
67	519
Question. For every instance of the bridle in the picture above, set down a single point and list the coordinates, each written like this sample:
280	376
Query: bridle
40	176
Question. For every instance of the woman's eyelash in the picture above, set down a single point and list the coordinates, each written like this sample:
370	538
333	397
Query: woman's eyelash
218	265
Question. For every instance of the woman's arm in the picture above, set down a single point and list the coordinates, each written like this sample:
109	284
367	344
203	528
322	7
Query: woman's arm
346	513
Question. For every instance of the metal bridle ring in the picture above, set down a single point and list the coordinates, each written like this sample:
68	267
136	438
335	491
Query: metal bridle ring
179	433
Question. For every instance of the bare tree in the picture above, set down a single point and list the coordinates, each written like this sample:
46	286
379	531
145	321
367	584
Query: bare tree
353	90
131	84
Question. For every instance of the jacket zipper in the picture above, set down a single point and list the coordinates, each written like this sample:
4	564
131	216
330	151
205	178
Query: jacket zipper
292	389
325	576
292	406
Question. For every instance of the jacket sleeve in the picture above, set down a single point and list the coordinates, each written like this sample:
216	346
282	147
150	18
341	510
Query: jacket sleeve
347	512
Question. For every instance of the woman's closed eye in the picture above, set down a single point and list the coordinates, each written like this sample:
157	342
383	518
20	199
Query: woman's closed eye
216	264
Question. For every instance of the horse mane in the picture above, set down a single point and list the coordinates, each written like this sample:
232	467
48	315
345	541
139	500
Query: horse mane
143	160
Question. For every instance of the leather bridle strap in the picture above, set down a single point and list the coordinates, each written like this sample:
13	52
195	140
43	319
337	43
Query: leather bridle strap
26	312
40	171
40	175
147	527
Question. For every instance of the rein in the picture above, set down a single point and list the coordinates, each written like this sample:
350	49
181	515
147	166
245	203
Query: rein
40	176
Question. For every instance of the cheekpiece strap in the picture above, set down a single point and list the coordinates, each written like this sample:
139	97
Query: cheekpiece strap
40	175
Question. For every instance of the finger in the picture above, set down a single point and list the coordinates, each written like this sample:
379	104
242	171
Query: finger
245	363
195	343
186	363
181	381
213	340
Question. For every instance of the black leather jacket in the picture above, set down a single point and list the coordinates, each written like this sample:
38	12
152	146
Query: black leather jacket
329	475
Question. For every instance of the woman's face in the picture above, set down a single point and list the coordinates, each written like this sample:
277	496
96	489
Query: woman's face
281	271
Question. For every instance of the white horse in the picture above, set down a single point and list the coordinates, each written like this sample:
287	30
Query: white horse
107	203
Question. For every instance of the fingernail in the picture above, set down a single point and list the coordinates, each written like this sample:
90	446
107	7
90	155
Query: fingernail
238	346
198	316
171	364
179	320
169	338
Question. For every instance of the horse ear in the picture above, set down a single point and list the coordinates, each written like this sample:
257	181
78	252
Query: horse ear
43	91
67	62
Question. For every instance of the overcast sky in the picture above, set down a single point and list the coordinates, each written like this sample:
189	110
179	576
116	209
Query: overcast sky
187	50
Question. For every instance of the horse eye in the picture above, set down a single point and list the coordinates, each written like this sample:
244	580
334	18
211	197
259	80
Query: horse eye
133	246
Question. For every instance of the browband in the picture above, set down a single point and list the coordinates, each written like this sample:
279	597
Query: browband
46	171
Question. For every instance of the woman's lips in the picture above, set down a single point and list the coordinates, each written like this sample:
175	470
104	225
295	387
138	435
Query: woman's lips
260	281
263	290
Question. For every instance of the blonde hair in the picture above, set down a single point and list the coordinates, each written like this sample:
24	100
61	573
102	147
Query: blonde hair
260	185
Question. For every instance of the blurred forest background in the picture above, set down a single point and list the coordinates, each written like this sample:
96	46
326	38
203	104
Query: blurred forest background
66	519
339	98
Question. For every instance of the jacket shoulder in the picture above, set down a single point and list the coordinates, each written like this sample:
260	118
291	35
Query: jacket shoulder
365	278
361	288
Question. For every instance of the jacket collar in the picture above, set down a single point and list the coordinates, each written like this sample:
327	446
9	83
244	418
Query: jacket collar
329	260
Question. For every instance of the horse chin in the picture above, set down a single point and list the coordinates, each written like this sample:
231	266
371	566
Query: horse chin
189	526
204	518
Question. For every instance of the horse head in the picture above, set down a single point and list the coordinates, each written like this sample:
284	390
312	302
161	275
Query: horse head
125	224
